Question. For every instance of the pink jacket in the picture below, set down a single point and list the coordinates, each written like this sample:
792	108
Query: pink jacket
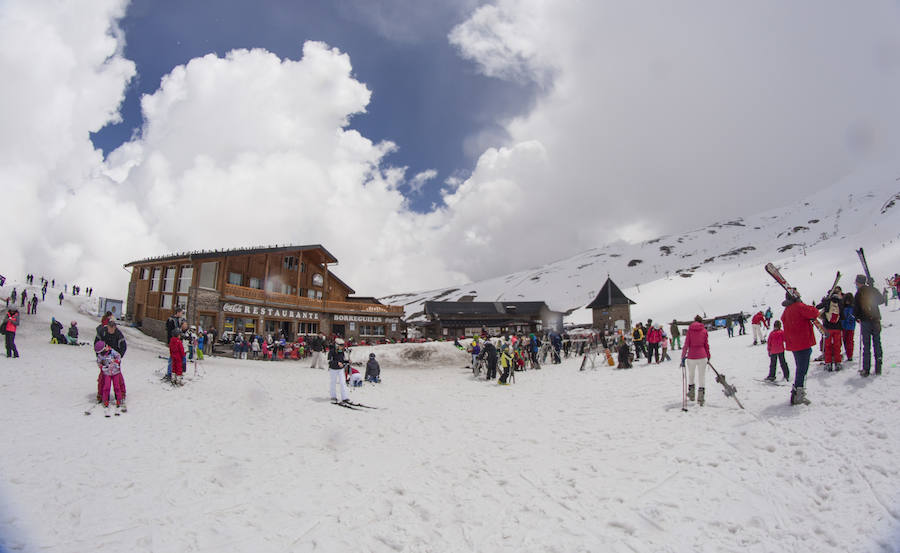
654	336
775	343
696	342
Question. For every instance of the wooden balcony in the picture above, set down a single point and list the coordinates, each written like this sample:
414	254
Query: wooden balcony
262	297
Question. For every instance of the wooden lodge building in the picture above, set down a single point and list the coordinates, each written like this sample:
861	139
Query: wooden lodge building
268	290
454	319
611	309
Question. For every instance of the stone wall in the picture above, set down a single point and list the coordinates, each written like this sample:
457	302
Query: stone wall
157	329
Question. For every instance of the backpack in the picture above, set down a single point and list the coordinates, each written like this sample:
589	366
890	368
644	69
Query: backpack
832	312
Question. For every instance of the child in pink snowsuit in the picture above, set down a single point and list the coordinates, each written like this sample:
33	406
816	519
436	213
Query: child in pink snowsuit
110	363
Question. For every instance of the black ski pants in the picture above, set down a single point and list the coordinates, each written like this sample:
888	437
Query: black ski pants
11	350
778	358
491	369
639	349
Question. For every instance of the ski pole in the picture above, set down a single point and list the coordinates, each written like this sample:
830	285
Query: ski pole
683	388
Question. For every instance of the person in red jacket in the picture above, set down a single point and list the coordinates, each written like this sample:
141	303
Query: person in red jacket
776	353
696	354
176	351
798	319
756	323
654	337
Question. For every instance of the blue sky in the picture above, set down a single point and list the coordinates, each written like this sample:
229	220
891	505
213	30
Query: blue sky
425	97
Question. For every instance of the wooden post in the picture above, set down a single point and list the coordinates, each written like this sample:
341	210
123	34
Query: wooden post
325	291
266	281
299	264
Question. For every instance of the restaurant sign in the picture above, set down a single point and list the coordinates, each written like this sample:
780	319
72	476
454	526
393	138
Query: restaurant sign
239	309
364	319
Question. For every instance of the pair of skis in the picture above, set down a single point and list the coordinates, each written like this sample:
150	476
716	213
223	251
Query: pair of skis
347	404
794	293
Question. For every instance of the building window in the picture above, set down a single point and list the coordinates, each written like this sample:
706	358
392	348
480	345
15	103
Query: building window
145	273
166	302
185	279
318	294
290	263
154	284
208	274
371	330
308	328
169	280
394	327
235	279
317	280
311	294
302	266
256	283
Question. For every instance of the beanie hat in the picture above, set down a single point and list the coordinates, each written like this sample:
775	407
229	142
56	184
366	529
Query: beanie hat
99	346
372	356
861	280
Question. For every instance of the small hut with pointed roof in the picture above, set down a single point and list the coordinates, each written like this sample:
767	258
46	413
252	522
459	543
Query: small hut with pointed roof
611	306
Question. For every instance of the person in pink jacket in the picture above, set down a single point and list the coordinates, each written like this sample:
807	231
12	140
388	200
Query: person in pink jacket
776	353
696	354
110	363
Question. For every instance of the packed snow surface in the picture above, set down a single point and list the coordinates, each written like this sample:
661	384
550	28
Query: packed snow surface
251	455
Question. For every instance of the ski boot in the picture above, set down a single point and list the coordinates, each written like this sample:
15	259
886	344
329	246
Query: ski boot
690	394
770	378
837	367
828	367
798	397
864	373
701	396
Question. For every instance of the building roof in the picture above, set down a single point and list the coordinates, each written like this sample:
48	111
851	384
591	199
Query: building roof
205	254
484	308
609	295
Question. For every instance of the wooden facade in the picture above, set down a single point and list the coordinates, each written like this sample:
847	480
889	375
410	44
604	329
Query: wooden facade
286	290
455	319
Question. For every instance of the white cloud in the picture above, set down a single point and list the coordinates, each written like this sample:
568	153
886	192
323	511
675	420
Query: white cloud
657	117
420	179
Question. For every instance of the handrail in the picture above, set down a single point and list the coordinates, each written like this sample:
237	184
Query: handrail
309	303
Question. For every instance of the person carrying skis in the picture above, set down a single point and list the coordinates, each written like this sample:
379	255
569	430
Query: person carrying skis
865	307
336	365
797	320
756	324
848	325
695	356
9	326
775	346
832	318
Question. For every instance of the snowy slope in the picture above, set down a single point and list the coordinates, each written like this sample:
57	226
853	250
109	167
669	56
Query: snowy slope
250	456
809	241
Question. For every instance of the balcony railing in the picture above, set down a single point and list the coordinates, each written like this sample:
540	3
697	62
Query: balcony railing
256	295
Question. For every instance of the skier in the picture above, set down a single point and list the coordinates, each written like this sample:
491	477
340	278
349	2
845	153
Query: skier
505	363
832	316
741	319
172	323
848	325
336	363
696	355
110	363
664	343
776	353
56	335
24	297
756	325
13	296
72	334
61	298
489	354
729	326
34	302
373	370
637	338
9	326
176	354
654	336
797	320
318	345
865	307
675	335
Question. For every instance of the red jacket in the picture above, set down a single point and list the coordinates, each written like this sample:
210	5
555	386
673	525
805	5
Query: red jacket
696	342
776	342
758	318
798	328
654	336
176	351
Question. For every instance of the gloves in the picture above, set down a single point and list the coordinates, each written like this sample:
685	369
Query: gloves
682	362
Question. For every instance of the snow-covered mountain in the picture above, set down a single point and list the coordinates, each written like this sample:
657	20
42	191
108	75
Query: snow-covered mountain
809	240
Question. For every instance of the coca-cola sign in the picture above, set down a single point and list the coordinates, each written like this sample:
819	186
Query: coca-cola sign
270	312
